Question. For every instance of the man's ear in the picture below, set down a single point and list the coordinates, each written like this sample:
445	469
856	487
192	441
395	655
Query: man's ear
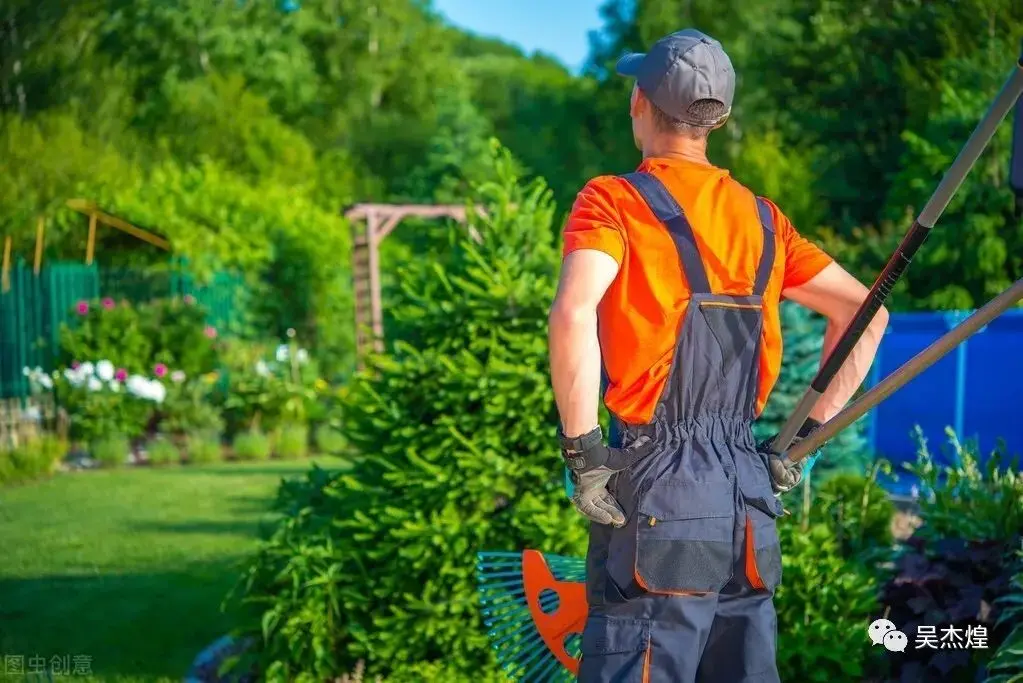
636	102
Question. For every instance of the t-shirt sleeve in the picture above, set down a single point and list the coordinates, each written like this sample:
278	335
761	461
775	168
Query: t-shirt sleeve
803	259
594	222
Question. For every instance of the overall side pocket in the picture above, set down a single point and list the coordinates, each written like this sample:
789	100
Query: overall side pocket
763	547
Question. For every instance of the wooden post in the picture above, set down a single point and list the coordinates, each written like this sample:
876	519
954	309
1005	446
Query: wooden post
90	248
5	269
40	227
376	298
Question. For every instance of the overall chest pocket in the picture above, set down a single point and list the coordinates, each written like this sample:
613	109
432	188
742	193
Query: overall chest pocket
685	537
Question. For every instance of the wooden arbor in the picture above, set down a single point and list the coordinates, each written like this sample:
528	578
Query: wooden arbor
380	221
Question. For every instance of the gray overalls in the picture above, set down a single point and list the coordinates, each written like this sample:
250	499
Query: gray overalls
683	592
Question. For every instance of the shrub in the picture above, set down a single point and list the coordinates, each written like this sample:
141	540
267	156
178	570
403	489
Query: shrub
252	445
203	446
330	440
824	604
858	510
103	328
956	570
34	458
181	340
163	451
292	442
188	406
102	399
378	563
111	450
965	499
267	387
1007	661
947	584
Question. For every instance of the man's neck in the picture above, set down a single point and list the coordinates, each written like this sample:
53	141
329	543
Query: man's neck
677	147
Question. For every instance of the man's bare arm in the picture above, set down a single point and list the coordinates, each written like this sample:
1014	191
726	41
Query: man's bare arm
837	295
572	335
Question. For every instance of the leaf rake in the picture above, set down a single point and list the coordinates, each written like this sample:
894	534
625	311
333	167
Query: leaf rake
534	607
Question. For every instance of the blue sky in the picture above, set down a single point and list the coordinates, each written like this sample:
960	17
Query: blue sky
557	27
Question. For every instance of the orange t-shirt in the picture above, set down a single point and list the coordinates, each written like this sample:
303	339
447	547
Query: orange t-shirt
640	313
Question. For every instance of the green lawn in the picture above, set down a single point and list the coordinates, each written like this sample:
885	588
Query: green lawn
128	568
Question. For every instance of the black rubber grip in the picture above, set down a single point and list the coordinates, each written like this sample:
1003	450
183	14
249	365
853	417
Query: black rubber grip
868	309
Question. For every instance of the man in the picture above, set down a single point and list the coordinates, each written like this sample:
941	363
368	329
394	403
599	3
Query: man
670	288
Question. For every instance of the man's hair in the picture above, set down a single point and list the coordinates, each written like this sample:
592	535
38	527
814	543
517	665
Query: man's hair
703	109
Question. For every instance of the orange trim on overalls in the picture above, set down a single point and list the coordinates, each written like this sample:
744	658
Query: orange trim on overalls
752	571
568	619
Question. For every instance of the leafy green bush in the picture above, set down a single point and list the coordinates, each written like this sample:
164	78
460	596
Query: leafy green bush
330	440
189	406
106	329
956	569
803	332
267	386
163	451
203	446
966	500
824	604
111	450
181	340
292	442
377	563
252	445
1007	663
858	509
947	584
102	400
34	458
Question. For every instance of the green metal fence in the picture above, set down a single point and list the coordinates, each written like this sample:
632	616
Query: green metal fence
33	311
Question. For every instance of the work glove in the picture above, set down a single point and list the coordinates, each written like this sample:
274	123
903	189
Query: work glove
785	476
591	464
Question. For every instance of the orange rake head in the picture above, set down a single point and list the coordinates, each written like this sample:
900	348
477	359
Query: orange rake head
534	607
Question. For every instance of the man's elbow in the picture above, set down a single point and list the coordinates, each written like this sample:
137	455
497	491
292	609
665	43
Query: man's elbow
566	315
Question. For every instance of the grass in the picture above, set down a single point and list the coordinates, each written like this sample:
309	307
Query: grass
129	567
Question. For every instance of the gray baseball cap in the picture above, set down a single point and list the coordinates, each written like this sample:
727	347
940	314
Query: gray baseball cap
680	69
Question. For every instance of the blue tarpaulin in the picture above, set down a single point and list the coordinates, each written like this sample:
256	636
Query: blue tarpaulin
977	390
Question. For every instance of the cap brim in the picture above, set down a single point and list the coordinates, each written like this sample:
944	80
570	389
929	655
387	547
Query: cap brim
629	64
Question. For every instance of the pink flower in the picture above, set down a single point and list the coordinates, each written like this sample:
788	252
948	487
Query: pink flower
121	375
189	299
74	365
83	307
160	370
108	303
210	332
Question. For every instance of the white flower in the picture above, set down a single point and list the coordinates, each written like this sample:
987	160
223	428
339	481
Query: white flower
33	413
157	392
138	386
86	369
105	370
25	371
38	370
261	369
178	376
44	381
94	384
282	353
302	356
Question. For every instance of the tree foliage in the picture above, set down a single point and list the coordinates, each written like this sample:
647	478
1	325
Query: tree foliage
448	423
